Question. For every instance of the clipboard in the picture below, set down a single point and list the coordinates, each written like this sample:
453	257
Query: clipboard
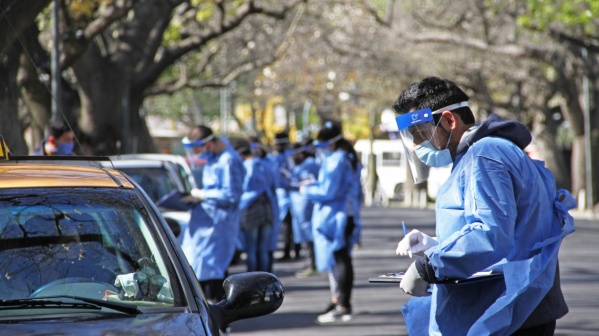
388	278
172	201
476	277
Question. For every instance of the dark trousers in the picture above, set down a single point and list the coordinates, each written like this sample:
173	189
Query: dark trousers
213	290
547	329
345	269
287	233
310	256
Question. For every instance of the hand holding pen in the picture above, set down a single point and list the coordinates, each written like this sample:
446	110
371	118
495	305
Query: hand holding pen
414	242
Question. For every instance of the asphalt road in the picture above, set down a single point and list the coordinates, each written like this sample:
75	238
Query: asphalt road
377	307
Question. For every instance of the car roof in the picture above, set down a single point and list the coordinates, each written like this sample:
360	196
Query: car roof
174	158
131	163
25	175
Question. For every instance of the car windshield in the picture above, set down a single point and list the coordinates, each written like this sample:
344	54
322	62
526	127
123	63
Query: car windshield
97	243
155	181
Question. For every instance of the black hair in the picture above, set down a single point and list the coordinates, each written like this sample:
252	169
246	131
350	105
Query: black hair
200	132
282	136
258	151
310	150
331	131
242	147
281	141
433	93
346	146
57	127
328	132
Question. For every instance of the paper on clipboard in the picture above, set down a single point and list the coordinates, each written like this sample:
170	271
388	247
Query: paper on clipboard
478	276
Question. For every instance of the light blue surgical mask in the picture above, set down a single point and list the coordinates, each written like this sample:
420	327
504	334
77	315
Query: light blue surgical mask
431	156
207	156
65	148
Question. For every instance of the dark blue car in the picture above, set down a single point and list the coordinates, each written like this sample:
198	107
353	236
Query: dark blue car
84	251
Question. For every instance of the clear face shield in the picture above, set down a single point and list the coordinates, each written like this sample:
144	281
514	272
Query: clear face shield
421	145
194	150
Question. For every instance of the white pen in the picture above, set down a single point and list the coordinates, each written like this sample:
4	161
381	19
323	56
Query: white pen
405	233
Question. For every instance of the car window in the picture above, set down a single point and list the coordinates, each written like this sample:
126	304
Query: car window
186	178
391	159
88	242
156	182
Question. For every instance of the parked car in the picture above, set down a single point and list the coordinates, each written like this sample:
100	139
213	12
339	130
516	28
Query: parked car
160	175
84	250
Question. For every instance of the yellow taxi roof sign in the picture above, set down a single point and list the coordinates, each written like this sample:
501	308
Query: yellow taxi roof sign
4	151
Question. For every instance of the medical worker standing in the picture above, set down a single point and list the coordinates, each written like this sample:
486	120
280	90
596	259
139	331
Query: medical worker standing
331	233
257	211
210	240
283	165
499	210
305	172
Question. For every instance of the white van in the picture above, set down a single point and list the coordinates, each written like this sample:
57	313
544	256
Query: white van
390	167
392	170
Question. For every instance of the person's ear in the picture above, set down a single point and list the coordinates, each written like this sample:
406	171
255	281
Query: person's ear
449	119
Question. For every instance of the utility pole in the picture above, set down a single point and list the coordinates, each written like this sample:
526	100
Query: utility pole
55	60
587	137
224	99
371	173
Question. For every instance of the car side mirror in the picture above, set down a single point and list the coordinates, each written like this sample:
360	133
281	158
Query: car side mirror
248	295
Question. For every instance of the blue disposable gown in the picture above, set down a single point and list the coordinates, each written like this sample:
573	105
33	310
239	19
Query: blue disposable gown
301	207
281	166
209	242
354	203
329	218
258	180
498	210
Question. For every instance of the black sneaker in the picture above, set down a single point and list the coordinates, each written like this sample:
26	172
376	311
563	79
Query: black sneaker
329	308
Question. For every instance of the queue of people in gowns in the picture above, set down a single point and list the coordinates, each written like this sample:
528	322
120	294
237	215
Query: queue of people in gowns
245	202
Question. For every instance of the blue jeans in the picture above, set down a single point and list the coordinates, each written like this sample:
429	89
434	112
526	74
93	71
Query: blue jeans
257	242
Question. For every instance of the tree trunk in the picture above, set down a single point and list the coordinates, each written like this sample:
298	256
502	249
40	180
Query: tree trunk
10	126
545	129
109	117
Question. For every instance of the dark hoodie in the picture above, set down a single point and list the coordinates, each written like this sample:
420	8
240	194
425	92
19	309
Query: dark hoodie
495	126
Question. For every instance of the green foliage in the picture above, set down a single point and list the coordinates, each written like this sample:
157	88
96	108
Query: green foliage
581	14
173	31
205	10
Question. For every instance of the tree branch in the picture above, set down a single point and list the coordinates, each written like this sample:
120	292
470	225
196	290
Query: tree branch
169	55
545	54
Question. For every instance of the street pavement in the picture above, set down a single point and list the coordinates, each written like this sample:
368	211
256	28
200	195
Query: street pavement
377	307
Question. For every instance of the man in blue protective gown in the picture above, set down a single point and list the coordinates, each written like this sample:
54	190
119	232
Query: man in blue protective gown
258	204
498	211
305	172
283	165
210	240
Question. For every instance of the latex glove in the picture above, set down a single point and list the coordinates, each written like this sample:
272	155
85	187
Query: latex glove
413	284
198	193
417	241
195	196
50	147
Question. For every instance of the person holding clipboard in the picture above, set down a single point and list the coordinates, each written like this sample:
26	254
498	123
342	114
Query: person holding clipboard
498	211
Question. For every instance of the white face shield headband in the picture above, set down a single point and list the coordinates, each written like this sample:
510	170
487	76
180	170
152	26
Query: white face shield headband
417	130
189	145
